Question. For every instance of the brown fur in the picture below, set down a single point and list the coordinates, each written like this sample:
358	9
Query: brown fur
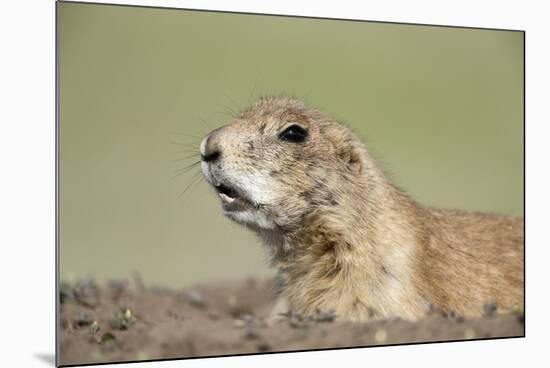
345	239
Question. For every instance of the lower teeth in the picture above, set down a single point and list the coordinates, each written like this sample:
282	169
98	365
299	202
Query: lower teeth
226	198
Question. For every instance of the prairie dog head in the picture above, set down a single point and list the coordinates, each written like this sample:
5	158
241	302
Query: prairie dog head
279	161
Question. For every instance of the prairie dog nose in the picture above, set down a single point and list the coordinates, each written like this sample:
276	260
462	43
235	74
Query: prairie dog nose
210	149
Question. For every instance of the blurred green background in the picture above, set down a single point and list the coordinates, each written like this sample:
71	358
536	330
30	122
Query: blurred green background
441	108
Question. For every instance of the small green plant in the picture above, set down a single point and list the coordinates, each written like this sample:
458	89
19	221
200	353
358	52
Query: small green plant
123	319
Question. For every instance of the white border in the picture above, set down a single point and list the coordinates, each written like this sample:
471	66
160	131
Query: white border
27	180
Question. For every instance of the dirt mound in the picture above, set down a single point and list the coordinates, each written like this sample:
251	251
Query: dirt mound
122	323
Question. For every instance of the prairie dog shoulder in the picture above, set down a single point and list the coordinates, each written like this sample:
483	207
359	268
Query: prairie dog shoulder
344	238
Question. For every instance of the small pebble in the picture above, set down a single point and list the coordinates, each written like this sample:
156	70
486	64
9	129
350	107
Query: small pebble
296	321
263	347
521	318
251	333
83	319
142	355
431	309
98	356
449	314
196	299
108	340
489	309
247	317
328	316
232	301
372	312
453	316
251	282
234	307
261	322
239	323
469	333
213	316
172	314
94	328
380	336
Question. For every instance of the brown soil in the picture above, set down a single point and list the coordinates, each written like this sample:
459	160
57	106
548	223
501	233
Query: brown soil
122	323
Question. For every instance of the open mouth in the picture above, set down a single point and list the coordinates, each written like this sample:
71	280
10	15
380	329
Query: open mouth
232	200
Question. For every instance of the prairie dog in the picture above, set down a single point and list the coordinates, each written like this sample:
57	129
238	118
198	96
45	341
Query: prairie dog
341	235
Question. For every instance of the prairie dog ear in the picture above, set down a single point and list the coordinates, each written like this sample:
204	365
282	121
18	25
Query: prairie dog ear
351	155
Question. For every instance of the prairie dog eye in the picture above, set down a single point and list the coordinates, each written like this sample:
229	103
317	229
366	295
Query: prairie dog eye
293	133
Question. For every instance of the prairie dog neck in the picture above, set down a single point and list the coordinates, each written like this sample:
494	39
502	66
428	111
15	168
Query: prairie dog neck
371	235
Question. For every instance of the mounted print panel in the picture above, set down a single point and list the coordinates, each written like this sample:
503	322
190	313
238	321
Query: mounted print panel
235	183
